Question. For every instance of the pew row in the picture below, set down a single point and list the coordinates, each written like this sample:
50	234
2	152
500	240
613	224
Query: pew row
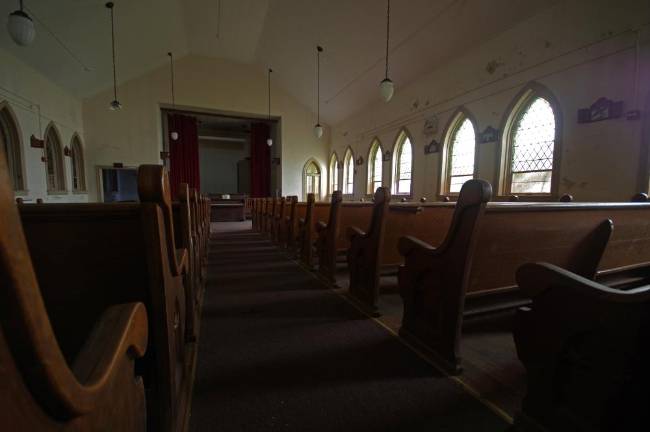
94	388
104	242
584	349
440	286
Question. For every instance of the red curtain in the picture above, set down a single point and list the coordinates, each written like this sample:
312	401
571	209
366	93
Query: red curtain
183	152
260	161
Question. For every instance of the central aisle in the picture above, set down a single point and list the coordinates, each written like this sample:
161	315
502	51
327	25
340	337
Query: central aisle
279	351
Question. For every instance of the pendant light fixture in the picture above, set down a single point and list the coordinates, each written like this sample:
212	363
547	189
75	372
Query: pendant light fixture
386	87
174	134
21	27
115	104
318	129
269	140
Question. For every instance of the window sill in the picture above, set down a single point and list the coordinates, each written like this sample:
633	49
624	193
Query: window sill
21	193
57	193
79	192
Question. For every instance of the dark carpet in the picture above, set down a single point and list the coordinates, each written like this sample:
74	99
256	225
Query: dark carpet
280	352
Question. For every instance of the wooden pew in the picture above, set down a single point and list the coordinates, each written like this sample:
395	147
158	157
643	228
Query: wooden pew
268	219
332	241
440	286
88	248
585	351
307	229
41	390
254	214
364	254
186	238
326	234
277	219
288	224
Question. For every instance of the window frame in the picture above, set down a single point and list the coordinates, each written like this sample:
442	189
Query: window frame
347	158
317	194
333	162
455	121
58	165
18	177
399	141
375	147
522	101
78	163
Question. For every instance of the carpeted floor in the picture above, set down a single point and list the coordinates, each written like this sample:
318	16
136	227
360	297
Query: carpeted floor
278	351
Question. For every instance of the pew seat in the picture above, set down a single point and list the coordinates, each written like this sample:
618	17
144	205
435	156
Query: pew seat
585	351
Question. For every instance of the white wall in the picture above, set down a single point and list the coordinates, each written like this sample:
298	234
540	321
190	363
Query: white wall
133	135
580	50
29	93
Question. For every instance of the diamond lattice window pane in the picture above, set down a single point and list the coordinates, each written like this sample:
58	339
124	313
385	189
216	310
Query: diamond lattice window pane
462	150
534	139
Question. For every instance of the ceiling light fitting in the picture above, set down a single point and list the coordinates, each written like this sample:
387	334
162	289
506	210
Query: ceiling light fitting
318	129
386	87
269	140
21	26
115	104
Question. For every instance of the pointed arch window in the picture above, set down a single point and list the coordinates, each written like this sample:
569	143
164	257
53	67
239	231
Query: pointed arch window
334	173
375	167
531	141
460	154
311	180
402	165
54	161
10	142
348	173
78	167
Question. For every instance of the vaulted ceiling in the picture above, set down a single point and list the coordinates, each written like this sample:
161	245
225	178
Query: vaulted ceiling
73	40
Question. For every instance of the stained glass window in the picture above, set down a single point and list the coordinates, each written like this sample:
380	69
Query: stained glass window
54	163
312	180
462	148
375	167
403	160
532	147
10	141
348	173
334	174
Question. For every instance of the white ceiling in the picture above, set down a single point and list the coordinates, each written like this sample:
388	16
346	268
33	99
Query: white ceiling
279	33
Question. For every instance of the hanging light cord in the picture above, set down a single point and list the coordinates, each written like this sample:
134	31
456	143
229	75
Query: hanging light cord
22	8
387	35
318	51
270	70
113	44
171	68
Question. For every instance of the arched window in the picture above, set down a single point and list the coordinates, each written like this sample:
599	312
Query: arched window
402	165
334	173
375	167
78	169
348	173
530	141
311	179
460	153
10	142
54	163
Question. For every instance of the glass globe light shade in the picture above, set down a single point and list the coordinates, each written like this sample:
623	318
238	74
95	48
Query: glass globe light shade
21	28
115	105
318	131
387	88
174	136
269	142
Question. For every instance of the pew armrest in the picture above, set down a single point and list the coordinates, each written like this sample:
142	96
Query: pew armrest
321	226
121	330
354	232
181	259
535	279
408	245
